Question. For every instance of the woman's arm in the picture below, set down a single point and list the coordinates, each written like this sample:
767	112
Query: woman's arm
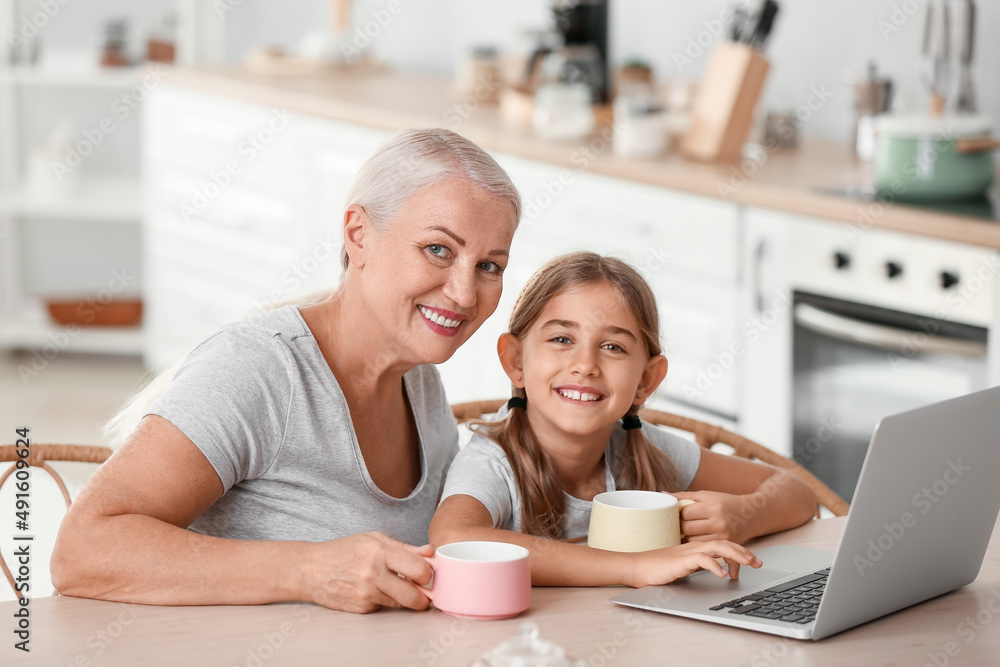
125	538
738	499
555	563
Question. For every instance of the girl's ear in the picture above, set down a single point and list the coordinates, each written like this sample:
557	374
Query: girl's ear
356	228
652	376
509	350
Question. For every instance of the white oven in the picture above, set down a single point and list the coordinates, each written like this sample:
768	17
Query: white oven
881	322
848	324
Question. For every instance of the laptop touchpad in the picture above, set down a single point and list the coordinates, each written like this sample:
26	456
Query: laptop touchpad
750	579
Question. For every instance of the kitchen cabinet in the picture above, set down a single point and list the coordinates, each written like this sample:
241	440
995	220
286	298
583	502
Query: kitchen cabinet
242	212
70	193
248	246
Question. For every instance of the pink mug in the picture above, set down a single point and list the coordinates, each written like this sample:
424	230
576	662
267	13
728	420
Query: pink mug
483	580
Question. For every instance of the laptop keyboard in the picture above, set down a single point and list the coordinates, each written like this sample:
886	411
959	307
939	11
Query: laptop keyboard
794	601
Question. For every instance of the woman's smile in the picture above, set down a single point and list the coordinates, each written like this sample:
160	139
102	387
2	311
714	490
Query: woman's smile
441	321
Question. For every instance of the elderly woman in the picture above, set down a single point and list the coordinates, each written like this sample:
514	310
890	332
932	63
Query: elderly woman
298	454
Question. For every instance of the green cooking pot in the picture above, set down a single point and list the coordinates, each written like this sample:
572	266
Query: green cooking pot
921	158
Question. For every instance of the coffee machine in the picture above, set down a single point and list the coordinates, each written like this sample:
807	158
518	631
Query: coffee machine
583	26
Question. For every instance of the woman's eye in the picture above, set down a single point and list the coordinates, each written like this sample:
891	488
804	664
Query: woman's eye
491	267
437	250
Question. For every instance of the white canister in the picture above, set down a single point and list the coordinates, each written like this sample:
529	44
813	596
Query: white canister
562	111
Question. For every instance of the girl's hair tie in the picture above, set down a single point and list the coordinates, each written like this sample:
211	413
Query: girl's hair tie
630	422
517	402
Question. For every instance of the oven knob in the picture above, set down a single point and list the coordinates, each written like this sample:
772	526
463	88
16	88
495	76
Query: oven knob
841	260
893	269
948	279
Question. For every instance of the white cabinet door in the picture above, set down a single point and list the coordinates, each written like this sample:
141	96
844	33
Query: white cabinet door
765	332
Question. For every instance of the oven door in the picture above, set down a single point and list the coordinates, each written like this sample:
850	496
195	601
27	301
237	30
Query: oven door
854	364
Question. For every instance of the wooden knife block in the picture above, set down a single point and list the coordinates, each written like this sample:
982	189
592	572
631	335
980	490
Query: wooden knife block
723	106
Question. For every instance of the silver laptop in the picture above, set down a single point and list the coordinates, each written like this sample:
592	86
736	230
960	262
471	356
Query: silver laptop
921	519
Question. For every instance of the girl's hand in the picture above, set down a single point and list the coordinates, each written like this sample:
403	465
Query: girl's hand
361	573
661	566
717	516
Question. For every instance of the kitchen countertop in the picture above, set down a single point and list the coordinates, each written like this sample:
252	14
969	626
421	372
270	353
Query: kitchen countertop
787	181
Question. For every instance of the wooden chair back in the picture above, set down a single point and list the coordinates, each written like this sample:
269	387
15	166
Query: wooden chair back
39	456
706	435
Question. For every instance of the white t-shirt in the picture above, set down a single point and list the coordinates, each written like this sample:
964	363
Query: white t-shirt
481	470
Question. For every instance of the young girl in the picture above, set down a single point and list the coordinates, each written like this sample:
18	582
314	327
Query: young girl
582	353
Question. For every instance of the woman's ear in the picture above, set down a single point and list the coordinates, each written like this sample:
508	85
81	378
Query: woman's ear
652	376
356	226
509	351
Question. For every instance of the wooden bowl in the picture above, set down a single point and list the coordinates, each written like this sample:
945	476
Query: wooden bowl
91	312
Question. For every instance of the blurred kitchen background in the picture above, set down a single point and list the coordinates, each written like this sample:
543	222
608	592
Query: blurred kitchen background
171	165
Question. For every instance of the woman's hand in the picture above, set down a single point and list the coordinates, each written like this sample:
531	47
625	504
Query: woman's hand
716	516
661	566
362	573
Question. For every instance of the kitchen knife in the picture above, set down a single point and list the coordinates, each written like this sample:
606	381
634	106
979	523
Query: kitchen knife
966	102
765	23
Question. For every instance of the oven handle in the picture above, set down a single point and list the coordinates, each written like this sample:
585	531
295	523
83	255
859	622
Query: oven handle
879	335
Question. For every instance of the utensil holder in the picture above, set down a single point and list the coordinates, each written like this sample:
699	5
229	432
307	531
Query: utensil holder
723	106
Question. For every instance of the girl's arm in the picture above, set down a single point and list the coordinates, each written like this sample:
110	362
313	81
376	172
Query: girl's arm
125	538
556	563
738	499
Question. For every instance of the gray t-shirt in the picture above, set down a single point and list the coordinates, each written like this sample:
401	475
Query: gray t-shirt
261	403
481	470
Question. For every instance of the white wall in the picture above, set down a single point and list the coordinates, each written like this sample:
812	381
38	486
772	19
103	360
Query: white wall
813	44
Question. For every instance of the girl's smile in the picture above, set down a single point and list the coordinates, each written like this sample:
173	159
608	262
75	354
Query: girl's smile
578	394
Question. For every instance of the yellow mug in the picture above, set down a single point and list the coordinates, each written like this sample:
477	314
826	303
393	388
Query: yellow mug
635	521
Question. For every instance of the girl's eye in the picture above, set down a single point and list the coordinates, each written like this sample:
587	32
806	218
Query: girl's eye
491	267
613	347
561	340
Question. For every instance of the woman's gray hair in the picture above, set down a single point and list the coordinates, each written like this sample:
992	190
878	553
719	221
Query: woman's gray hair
403	164
411	160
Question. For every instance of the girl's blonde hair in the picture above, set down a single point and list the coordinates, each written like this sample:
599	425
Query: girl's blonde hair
401	166
643	465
